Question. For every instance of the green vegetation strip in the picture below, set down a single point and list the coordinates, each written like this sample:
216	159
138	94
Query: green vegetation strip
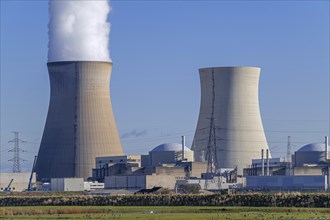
320	200
161	212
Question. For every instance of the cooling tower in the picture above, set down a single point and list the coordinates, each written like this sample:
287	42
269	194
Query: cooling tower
230	96
80	123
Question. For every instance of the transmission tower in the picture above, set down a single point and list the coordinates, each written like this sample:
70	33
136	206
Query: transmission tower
212	150
16	150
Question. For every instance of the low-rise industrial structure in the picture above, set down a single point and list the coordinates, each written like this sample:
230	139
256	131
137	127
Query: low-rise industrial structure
16	182
140	181
67	184
309	170
147	178
124	159
214	182
91	186
297	183
275	167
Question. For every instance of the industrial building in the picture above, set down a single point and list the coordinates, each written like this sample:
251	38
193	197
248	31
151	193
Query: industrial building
215	184
297	183
168	153
80	123
271	167
112	160
160	177
229	113
16	182
92	186
164	164
164	176
308	169
67	184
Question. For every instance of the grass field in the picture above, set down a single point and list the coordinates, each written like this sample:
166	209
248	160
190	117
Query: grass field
161	213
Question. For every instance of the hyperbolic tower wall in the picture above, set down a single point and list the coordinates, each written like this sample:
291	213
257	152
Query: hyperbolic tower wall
238	126
80	123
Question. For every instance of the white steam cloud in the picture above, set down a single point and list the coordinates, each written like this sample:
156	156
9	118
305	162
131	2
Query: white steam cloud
78	30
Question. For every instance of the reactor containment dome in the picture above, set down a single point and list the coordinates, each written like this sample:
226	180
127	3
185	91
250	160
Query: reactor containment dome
314	153
169	153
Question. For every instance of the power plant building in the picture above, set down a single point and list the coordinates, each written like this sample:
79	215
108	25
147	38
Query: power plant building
229	99
309	170
80	124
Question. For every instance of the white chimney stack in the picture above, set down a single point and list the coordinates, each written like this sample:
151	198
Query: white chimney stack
183	144
326	148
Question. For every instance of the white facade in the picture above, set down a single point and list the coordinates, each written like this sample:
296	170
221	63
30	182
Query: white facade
67	184
231	93
110	160
88	186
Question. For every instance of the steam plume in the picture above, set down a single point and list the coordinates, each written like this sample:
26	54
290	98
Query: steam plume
78	31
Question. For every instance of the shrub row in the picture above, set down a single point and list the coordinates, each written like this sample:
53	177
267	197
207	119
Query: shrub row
248	199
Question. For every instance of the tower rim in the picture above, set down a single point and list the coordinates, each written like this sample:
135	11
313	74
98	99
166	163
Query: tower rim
230	67
79	61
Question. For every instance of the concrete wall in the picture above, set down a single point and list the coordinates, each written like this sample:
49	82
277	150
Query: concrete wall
287	182
20	181
303	171
236	113
197	168
80	123
176	171
165	181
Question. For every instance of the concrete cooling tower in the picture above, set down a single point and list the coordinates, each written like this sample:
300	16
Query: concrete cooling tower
80	123
229	95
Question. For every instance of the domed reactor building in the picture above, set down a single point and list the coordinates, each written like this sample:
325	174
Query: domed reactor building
80	123
229	117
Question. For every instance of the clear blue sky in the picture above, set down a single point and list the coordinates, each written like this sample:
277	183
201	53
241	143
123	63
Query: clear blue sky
157	48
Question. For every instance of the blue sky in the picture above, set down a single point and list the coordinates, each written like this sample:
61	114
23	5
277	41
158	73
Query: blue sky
157	47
